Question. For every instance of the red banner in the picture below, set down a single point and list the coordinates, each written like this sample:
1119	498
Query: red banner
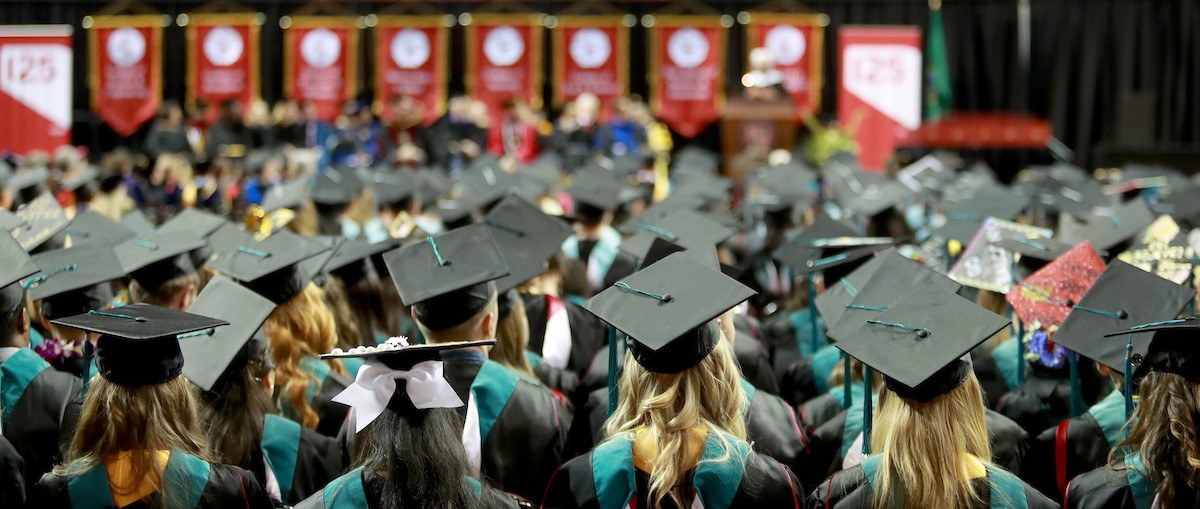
320	62
411	58
687	63
504	59
222	59
35	87
125	69
796	43
591	54
879	94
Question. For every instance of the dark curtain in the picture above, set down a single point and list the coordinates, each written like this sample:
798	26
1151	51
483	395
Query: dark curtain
1091	59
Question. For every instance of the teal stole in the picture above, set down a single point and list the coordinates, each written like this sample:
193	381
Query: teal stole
1109	413
347	491
281	448
534	359
351	364
1139	482
491	390
185	477
319	370
823	363
1007	491
802	325
16	374
716	479
1007	363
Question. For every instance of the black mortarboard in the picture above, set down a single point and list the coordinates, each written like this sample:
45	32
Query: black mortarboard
667	310
1123	296
155	259
392	187
920	341
30	182
782	186
455	213
17	266
396	355
193	221
335	187
1106	228
687	228
139	343
81	178
526	237
74	280
449	277
90	227
862	193
600	192
892	282
431	184
288	195
995	202
832	302
486	185
1174	347
709	189
43	218
210	356
228	237
270	267
351	262
137	221
1037	249
315	266
9	221
658	211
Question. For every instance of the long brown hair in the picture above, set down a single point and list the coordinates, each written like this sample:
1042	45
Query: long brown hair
139	420
512	337
301	327
1164	433
232	412
349	333
927	448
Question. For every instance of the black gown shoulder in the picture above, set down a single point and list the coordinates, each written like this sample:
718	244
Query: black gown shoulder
773	429
849	489
756	365
12	479
817	411
1086	449
42	422
228	487
1008	440
1102	488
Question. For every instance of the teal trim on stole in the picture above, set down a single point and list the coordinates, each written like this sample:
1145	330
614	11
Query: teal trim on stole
346	492
1007	491
802	325
534	359
1109	413
476	487
35	338
281	448
16	374
750	391
839	395
853	425
352	364
823	363
1139	484
492	388
1007	363
184	472
317	368
613	472
717	482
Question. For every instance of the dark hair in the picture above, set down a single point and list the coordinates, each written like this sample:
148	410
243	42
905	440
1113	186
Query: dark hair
8	320
232	412
419	457
1164	433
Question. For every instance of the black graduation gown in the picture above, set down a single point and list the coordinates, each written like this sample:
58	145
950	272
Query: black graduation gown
320	396
600	480
851	489
41	407
208	486
755	363
302	460
523	426
565	382
12	480
588	334
357	490
1045	398
1076	445
1110	488
991	380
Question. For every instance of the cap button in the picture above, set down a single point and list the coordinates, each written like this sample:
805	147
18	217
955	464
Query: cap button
1122	314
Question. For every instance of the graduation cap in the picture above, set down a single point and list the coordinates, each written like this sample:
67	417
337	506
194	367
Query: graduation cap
599	192
1174	347
228	237
90	227
17	266
708	189
687	228
921	341
892	282
137	221
74	280
335	187
9	221
1123	296
1042	250
984	266
1107	227
861	193
195	222
1046	297
779	187
657	211
455	213
155	259
288	195
1163	249
392	187
139	343
668	311
81	178
832	302
449	277
351	262
211	355
486	185
270	267
41	219
526	237
30	182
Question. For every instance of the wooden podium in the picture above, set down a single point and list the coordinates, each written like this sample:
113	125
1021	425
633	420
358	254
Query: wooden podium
755	125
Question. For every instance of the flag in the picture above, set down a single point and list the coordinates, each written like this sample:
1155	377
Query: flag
937	73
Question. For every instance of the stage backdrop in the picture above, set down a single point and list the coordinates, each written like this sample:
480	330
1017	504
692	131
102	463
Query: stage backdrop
797	42
591	54
504	59
125	69
35	87
412	58
320	62
687	63
222	57
879	95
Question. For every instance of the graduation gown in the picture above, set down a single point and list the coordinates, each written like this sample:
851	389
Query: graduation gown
1045	398
195	484
562	381
302	460
588	334
518	425
319	395
1109	488
821	409
755	363
40	410
788	339
852	489
1075	446
358	490
12	480
606	478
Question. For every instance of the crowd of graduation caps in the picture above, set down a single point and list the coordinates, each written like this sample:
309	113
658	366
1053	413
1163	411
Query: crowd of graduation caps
813	257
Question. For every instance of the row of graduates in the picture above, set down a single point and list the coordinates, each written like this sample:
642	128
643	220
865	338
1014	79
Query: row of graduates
566	392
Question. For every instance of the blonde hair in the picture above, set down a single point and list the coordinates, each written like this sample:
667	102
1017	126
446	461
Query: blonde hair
165	293
512	338
927	448
139	420
670	407
301	327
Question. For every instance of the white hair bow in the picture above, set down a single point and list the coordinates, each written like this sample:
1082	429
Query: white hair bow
376	383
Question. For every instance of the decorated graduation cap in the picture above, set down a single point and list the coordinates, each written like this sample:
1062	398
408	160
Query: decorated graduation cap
288	195
1163	249
155	259
1045	298
17	266
984	266
212	354
90	227
449	277
378	383
1122	297
1107	227
892	282
687	228
139	343
668	311
526	237
270	267
74	280
336	186
41	219
920	342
